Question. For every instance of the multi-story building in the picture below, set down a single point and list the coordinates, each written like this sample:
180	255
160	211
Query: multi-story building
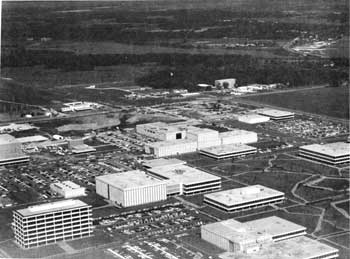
332	153
131	188
162	131
52	222
67	189
276	115
171	148
185	180
244	198
228	151
238	136
10	151
203	137
252	118
162	162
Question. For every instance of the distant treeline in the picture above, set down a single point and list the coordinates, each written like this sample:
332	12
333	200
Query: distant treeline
183	70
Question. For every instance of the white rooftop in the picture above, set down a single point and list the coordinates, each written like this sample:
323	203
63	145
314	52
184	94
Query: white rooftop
295	248
331	149
242	195
51	207
7	138
129	179
252	116
163	162
171	143
274	112
67	185
183	174
37	138
228	149
162	126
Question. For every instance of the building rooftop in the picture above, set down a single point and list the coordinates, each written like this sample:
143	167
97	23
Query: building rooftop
7	138
274	113
295	248
163	162
274	225
252	116
235	133
242	195
129	179
163	127
183	174
331	149
228	149
197	130
67	185
37	138
171	143
51	207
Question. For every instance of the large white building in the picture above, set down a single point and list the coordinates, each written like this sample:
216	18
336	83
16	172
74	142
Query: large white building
234	236
10	151
228	151
162	162
79	106
238	136
276	115
332	153
300	247
131	188
244	198
171	148
252	118
203	137
161	131
52	222
185	180
67	189
228	83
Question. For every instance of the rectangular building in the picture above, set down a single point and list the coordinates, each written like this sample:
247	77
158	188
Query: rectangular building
162	162
52	222
171	148
227	83
276	115
332	153
10	151
252	118
68	189
228	151
161	131
244	198
131	188
295	248
238	136
203	137
186	180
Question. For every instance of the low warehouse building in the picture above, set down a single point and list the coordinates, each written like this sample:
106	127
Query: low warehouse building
68	189
244	198
228	151
238	136
252	118
131	188
276	115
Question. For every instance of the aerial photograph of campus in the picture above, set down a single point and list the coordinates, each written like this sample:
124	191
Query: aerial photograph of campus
175	129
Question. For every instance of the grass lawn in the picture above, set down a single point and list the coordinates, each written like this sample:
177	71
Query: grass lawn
335	184
325	101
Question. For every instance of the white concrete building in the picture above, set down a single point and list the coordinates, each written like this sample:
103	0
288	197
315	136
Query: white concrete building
234	236
238	136
171	148
228	83
252	118
162	162
131	188
79	106
276	115
331	153
228	151
203	137
31	139
300	247
10	151
185	180
68	189
244	198
52	222
161	131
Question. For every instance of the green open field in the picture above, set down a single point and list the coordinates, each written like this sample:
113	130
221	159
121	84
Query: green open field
325	101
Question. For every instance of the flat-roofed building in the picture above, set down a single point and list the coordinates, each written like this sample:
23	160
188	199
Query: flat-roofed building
68	189
295	248
31	139
77	146
186	180
275	114
162	162
161	131
244	198
52	222
228	151
238	136
131	188
203	137
228	83
10	151
171	147
252	118
332	153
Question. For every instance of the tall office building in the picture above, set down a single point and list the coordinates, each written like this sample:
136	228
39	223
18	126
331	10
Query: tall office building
52	222
10	150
